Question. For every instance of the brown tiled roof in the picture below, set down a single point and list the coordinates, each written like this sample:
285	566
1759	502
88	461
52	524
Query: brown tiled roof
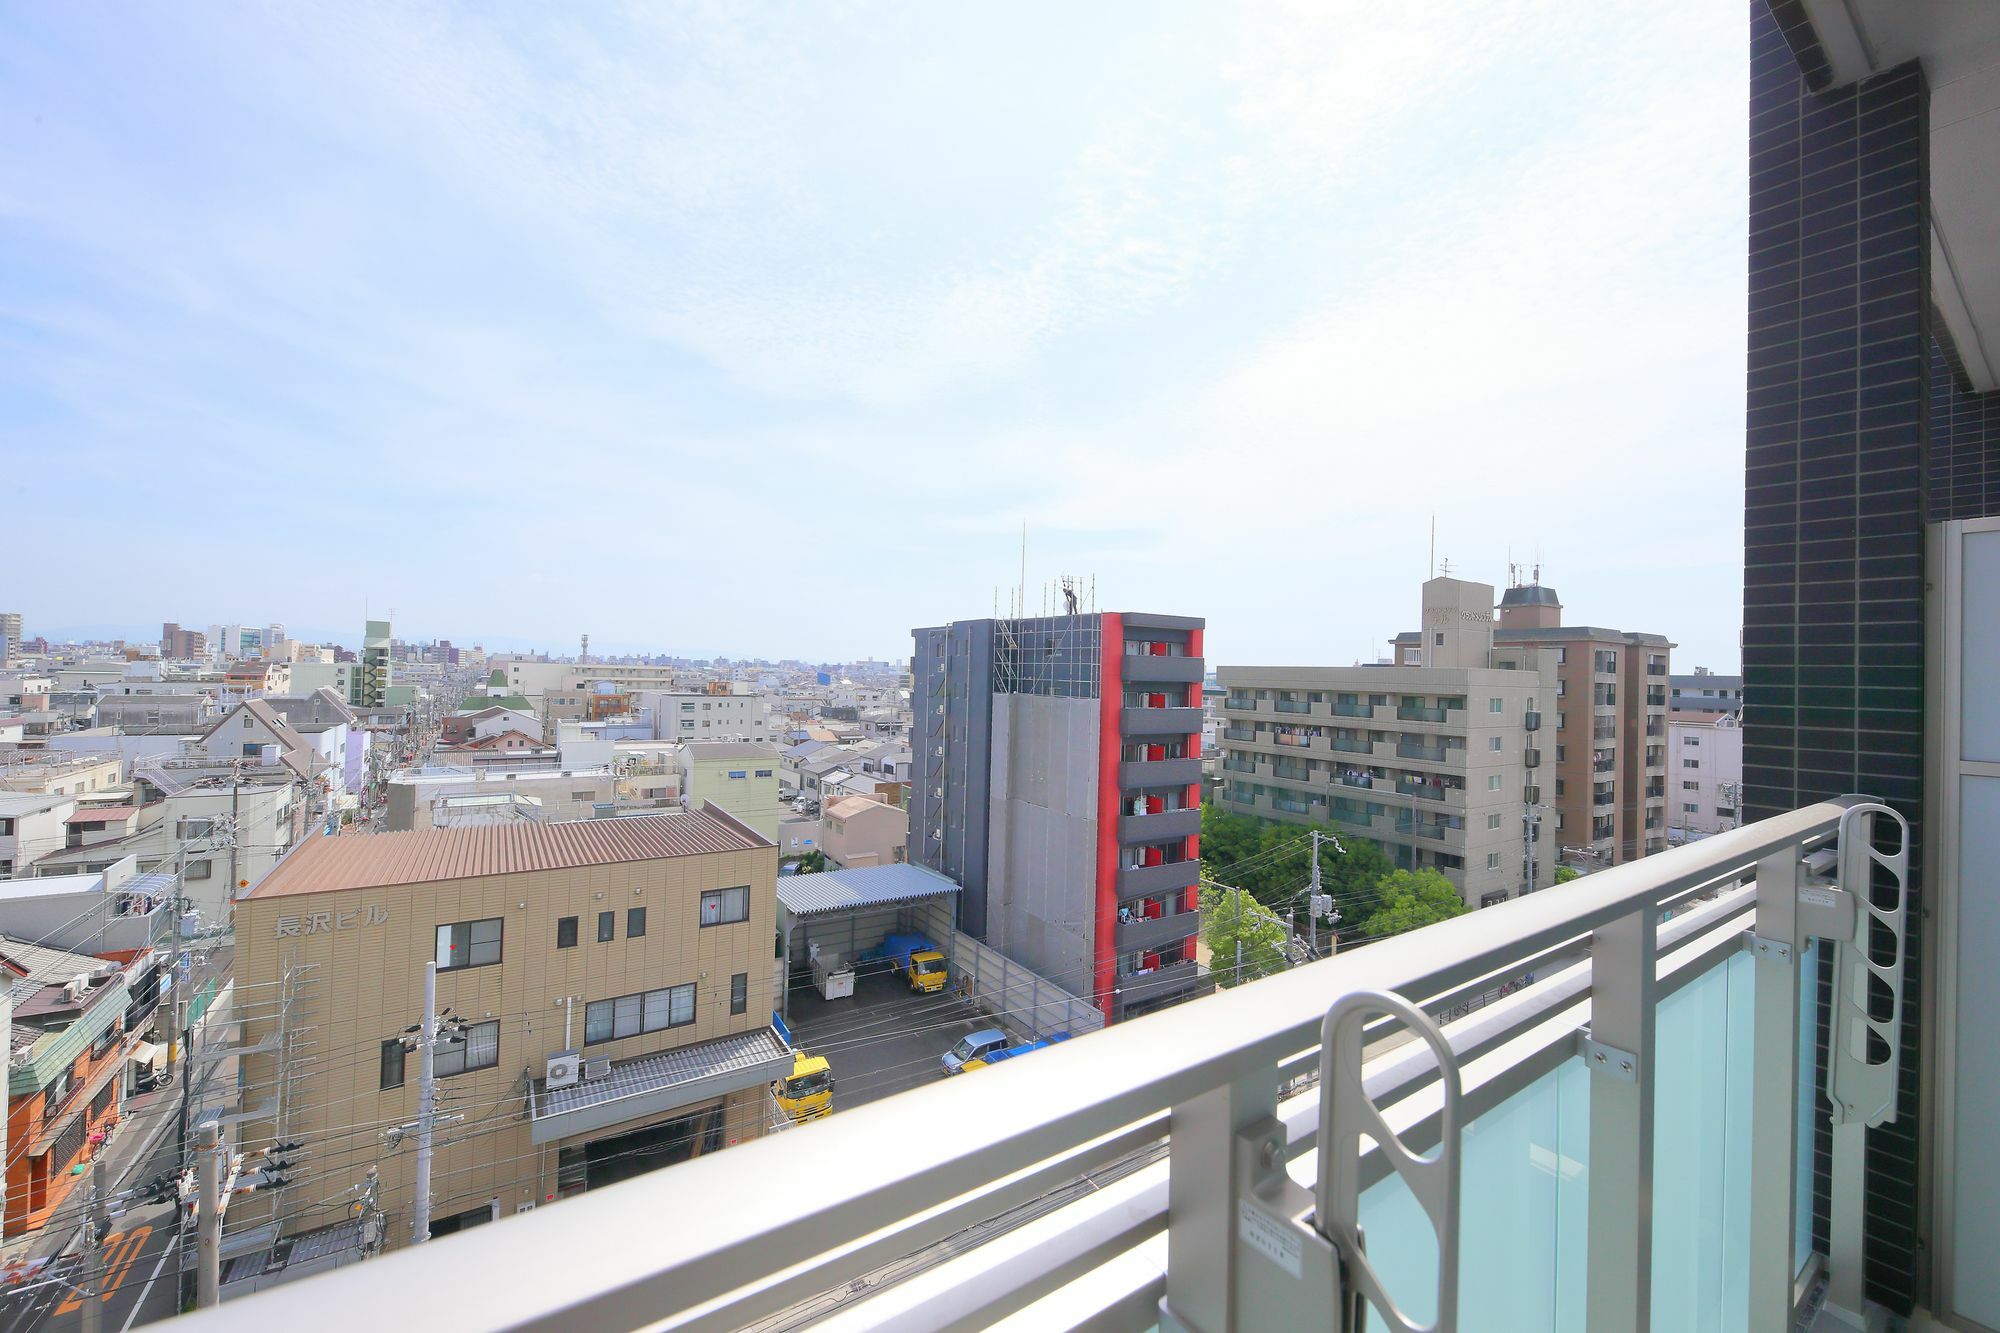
324	864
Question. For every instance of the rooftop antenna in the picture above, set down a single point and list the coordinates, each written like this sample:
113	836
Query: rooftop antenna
1434	547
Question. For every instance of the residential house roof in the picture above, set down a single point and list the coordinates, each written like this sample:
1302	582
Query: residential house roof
103	814
319	711
323	864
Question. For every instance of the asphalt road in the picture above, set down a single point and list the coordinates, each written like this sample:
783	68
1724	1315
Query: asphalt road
138	1278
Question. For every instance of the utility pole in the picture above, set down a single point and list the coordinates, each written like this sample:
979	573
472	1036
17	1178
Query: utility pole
1312	900
420	1223
208	1218
95	1227
235	804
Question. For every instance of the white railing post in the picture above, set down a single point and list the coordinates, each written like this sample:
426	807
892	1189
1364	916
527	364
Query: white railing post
1774	1096
1202	1189
1619	1053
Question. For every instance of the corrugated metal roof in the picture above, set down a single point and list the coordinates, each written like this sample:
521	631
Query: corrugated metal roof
103	814
868	886
746	1052
367	861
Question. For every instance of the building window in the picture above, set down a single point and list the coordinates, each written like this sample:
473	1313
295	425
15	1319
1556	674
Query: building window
1690	786
565	932
393	1053
720	907
1493	821
1560	720
468	944
1690	740
1690	807
200	869
1690	763
1493	744
1493	782
1440	640
739	993
1495	705
1492	860
763	772
738	773
635	922
630	1015
473	1047
607	927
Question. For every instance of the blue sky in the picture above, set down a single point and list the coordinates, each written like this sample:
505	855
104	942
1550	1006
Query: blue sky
763	330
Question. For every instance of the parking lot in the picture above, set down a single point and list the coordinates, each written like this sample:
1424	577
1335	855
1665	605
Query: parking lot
883	1038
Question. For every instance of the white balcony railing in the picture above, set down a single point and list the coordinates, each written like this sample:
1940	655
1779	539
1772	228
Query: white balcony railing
1180	1170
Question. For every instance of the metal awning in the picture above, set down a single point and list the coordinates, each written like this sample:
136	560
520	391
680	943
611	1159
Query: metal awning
146	1053
869	886
656	1083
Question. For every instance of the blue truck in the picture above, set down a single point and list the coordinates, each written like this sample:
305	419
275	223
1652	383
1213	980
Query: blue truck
919	960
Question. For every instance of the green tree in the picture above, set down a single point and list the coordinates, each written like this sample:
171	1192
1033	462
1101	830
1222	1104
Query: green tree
1272	861
1564	874
1230	917
1409	899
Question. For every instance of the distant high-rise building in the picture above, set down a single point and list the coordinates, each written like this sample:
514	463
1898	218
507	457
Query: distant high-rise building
370	688
10	637
182	644
1705	692
1057	777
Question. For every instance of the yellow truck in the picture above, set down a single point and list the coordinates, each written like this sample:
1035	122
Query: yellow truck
807	1092
918	960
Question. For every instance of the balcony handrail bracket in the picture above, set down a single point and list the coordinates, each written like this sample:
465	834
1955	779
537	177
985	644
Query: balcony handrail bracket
1602	1058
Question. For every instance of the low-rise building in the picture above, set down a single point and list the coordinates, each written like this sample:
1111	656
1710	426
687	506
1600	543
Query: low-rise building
416	798
703	716
66	1055
1705	761
1705	692
32	826
738	776
614	980
59	773
858	831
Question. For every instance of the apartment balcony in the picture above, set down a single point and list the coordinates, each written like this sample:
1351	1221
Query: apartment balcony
1656	698
1239	733
1603	799
1422	790
1144	668
1141	933
1291	805
1231	766
1656	727
1343	745
1291	772
1419	713
1352	818
1655	669
1627	1139
1361	780
1159	827
1156	881
1160	721
1435	754
1159	772
1293	742
1290	706
1247	704
1175	979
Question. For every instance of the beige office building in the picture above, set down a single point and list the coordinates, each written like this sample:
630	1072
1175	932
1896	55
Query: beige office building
1441	764
615	979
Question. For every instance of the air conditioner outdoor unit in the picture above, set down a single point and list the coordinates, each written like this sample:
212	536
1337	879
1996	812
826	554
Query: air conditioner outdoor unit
597	1067
562	1069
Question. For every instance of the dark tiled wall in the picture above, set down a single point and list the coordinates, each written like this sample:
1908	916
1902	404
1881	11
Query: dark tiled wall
1965	444
1834	484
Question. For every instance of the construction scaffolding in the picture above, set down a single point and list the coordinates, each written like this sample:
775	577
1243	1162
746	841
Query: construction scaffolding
1057	654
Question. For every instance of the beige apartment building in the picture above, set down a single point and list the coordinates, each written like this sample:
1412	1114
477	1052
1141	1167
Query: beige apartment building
1610	733
614	978
1440	764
